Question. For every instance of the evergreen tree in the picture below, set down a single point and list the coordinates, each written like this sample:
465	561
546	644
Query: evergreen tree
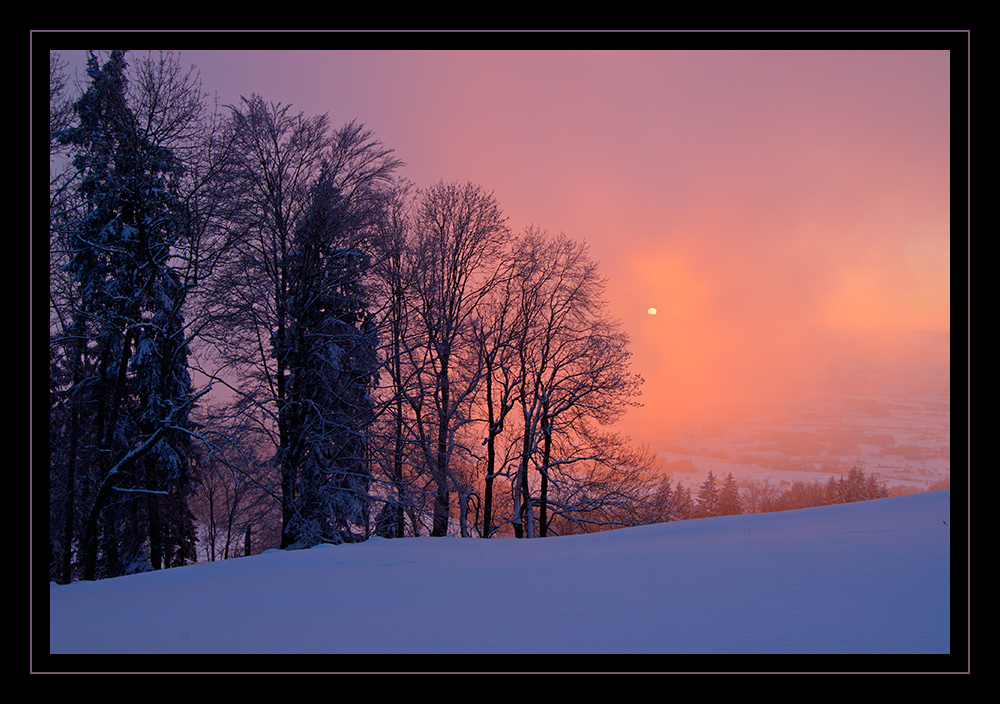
684	503
668	503
854	487
131	394
708	497
332	369
875	490
832	491
729	497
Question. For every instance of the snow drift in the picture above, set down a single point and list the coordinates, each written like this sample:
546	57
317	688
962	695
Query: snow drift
868	577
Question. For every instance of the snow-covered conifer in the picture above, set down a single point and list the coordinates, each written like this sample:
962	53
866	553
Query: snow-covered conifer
708	497
134	380
729	497
332	362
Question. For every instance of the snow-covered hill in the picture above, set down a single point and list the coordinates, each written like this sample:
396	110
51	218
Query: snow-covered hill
868	577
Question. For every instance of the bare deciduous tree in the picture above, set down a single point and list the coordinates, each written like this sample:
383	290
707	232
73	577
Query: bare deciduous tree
459	232
573	363
760	496
237	503
496	333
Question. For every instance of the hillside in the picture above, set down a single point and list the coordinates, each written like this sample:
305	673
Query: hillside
868	577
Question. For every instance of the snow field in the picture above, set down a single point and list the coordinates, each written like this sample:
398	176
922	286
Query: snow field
867	577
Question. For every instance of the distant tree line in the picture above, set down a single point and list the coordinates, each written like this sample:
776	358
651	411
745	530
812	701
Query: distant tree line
261	335
728	497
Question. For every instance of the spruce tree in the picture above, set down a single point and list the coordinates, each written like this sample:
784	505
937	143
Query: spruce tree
685	504
708	497
330	346
130	386
668	502
288	310
729	497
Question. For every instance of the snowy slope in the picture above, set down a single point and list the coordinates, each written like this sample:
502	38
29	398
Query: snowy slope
869	577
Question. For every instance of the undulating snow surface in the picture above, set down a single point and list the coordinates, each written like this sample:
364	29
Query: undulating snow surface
868	577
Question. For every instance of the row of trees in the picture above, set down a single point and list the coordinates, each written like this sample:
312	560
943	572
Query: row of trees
260	335
675	503
255	319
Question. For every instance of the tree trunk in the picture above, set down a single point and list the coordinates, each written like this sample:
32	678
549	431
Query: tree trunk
524	521
397	450
490	455
69	506
544	491
105	448
441	498
527	514
286	462
156	529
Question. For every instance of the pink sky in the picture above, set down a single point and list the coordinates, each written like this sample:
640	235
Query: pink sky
757	199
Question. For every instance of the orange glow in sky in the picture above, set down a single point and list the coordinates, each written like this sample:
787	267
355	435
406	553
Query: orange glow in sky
760	201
